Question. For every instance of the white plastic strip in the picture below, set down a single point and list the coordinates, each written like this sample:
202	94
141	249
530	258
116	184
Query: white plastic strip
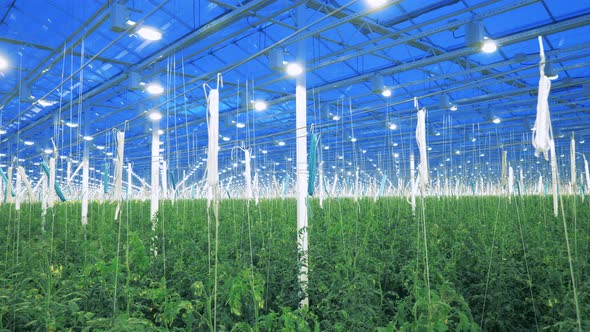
510	180
542	132
554	179
248	173
51	195
129	180
573	165
25	180
413	184
586	169
164	175
421	140
119	171
17	196
213	129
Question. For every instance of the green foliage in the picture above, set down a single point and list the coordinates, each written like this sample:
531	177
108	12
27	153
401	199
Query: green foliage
367	263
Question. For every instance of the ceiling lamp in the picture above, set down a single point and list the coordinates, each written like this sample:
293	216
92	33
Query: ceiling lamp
46	103
378	87
71	124
88	138
29	143
149	33
376	3
260	105
240	125
475	37
155	115
276	59
551	72
154	88
3	63
496	119
489	45
392	126
294	69
2	131
48	151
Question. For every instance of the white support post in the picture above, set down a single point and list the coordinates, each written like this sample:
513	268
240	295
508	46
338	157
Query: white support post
69	173
44	200
163	172
129	180
51	190
302	171
554	179
573	165
85	186
17	187
413	184
25	180
119	171
155	175
9	185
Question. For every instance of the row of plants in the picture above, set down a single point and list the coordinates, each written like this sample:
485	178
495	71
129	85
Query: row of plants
460	264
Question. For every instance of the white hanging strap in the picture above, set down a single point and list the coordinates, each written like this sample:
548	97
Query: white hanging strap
542	131
554	179
421	140
213	130
25	180
256	189
587	171
120	135
248	173
573	164
17	189
510	180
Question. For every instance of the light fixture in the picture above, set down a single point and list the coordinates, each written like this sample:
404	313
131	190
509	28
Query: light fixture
496	120
109	154
336	117
29	143
48	151
88	138
155	115
3	63
2	131
154	88
551	72
100	147
225	138
392	126
260	105
149	33
376	3
489	45
294	69
71	124
396	155
453	107
160	132
281	143
240	125
46	103
326	147
386	92
353	139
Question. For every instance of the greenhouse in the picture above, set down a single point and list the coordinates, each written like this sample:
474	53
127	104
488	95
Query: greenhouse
294	165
